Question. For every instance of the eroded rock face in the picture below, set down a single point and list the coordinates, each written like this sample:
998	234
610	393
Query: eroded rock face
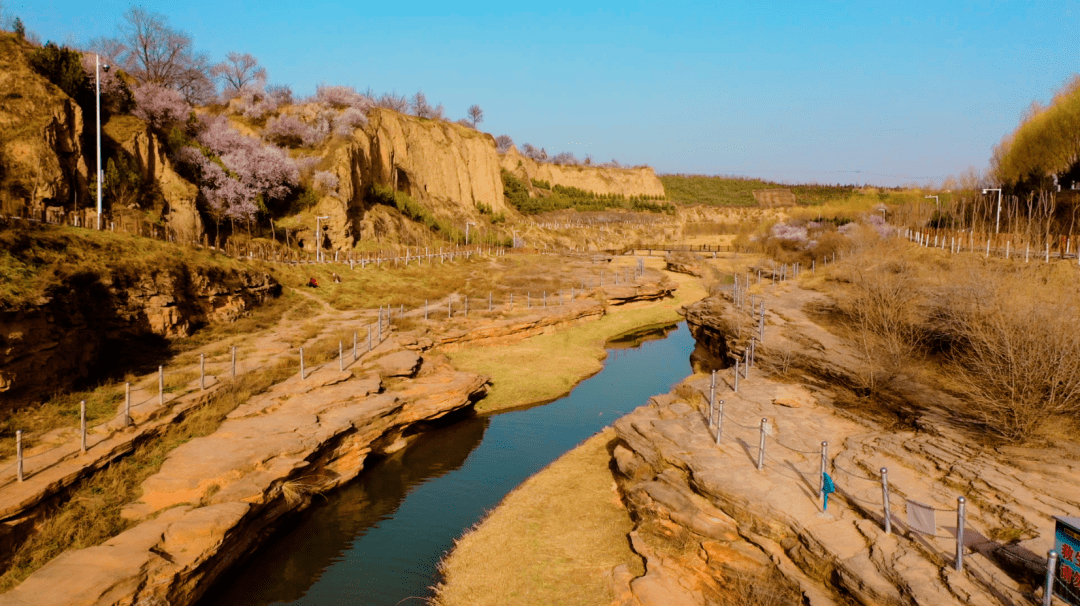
136	138
53	344
41	150
641	181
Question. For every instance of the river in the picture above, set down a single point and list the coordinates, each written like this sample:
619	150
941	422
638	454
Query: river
378	541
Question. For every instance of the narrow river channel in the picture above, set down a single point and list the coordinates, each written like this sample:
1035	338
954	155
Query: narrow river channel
378	541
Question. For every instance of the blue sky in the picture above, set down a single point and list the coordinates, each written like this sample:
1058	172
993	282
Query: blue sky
880	93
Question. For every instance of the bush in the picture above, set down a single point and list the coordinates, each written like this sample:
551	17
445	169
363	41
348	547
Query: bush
289	131
325	181
162	108
348	120
341	97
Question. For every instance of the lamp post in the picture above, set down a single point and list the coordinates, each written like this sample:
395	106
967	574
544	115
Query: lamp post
97	84
997	225
318	239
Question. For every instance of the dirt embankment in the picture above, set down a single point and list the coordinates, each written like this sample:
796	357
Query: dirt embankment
80	326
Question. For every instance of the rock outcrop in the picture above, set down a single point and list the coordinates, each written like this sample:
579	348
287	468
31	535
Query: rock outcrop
639	181
135	138
216	498
54	343
707	518
40	138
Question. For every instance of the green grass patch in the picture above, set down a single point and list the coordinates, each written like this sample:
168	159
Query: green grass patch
545	367
738	191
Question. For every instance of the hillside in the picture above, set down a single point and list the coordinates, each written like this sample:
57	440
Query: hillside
739	191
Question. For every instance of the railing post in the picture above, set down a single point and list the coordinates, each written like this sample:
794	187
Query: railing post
960	502
824	470
736	386
712	397
1051	571
202	371
234	363
82	426
302	363
341	356
466	306
18	455
885	499
719	422
354	337
161	385
761	446
127	404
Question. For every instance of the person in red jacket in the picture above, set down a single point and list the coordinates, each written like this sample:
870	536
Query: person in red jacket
313	283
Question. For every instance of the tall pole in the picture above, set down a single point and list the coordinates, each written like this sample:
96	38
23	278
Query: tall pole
97	176
318	239
997	225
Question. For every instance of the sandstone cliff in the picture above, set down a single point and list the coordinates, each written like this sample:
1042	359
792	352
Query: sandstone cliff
136	139
448	168
641	181
41	161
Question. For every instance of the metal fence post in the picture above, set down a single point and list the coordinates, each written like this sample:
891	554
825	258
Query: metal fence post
885	499
127	403
719	422
161	385
354	336
712	397
1051	571
960	501
82	426
18	455
341	355
302	363
202	371
466	306
761	446
234	363
736	387
425	309
824	470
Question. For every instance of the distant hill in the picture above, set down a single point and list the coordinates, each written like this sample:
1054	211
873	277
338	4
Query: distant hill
739	191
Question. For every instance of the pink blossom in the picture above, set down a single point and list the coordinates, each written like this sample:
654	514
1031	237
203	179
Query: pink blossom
160	107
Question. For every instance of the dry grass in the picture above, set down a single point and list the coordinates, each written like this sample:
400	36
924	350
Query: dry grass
565	358
411	286
1003	336
551	541
91	515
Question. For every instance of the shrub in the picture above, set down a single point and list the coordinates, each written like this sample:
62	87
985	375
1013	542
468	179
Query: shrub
325	181
279	94
160	107
348	120
289	131
341	97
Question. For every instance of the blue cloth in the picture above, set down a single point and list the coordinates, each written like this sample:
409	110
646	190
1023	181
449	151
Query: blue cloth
827	485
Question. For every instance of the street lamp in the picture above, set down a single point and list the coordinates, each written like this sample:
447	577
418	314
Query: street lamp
997	225
97	83
318	239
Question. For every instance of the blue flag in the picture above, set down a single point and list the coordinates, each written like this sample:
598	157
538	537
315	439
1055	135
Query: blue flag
827	487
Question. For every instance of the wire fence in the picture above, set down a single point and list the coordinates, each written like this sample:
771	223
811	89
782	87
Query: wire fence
720	422
376	333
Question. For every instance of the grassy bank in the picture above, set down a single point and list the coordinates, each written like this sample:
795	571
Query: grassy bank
538	548
565	358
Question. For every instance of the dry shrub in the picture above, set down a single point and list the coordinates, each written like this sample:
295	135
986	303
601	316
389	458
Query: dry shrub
1015	345
885	309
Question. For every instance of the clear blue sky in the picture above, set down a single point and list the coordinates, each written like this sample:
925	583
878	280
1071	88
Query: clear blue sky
799	91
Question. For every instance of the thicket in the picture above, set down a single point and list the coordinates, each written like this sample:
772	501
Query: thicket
558	197
1004	335
1044	150
385	195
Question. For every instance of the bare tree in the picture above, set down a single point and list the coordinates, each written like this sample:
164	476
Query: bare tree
394	101
238	71
155	53
420	106
503	143
110	49
476	115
